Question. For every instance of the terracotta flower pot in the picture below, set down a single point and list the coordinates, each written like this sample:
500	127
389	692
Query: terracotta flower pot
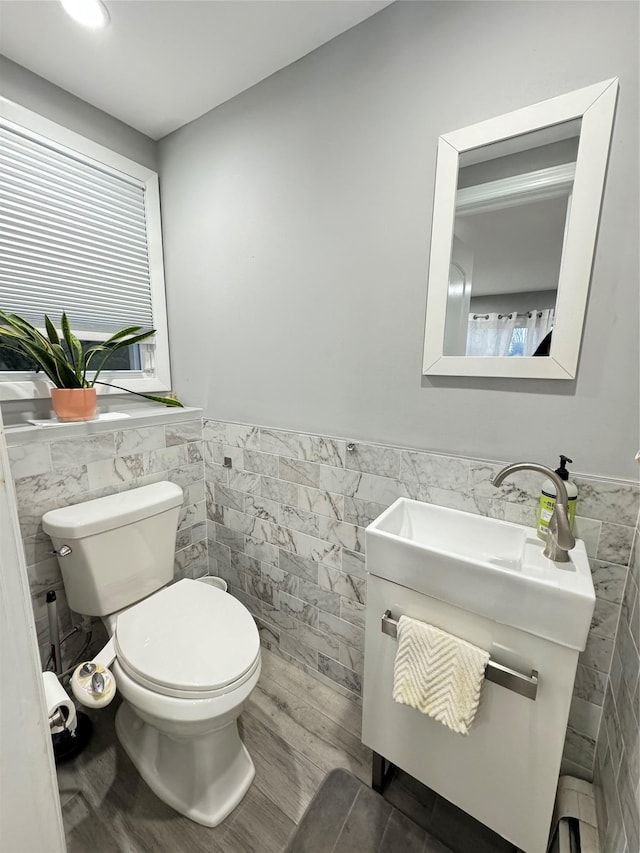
74	404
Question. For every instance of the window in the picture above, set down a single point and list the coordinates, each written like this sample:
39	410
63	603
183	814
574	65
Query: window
80	233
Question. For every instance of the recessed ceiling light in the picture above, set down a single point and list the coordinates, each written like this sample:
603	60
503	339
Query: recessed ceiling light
89	13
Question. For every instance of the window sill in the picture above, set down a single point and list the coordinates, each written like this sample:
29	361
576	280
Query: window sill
150	416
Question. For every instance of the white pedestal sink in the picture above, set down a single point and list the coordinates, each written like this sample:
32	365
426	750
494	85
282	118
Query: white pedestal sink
486	581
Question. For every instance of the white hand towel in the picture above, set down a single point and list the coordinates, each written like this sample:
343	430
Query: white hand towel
438	674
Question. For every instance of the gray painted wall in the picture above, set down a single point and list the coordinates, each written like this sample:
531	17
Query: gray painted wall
297	220
37	94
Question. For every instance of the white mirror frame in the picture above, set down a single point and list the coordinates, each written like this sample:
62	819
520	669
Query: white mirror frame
595	105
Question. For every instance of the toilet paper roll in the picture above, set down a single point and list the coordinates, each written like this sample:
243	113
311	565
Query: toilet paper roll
56	699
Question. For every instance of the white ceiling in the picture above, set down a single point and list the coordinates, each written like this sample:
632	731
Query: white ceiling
516	249
163	63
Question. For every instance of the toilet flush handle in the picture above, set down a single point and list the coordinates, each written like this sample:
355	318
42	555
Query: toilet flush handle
62	551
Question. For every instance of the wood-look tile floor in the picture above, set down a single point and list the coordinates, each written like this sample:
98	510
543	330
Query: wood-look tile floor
296	731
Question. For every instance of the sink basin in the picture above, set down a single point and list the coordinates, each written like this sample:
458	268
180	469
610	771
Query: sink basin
486	566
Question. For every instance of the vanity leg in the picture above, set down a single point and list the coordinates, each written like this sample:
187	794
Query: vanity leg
381	772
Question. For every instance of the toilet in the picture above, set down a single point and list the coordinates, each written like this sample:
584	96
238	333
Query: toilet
187	655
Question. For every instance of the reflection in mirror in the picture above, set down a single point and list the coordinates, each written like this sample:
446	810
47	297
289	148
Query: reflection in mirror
516	206
513	200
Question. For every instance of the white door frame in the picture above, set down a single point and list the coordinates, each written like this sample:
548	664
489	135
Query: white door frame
30	815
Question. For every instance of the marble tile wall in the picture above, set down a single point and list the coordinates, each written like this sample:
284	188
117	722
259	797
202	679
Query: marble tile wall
285	526
617	765
49	473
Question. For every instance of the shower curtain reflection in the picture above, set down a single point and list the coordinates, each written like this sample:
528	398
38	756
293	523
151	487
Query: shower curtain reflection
507	334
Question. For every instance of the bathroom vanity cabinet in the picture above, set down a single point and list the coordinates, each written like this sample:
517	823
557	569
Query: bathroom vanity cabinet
505	771
488	582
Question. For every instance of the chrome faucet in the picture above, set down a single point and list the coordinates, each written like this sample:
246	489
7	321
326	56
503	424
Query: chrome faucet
560	539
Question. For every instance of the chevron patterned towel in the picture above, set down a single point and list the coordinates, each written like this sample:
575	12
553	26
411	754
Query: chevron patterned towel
438	674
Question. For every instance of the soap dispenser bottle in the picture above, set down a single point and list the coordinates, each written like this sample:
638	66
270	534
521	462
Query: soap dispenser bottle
548	499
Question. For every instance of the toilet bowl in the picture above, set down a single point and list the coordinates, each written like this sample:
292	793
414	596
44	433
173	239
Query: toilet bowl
187	654
187	661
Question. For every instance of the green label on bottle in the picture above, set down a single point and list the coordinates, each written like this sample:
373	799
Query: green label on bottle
546	508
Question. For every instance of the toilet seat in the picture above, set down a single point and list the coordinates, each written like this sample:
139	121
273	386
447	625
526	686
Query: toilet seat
189	640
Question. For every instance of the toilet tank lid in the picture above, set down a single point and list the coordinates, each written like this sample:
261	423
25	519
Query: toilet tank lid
102	514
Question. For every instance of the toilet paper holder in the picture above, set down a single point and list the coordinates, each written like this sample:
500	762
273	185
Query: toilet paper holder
61	712
70	729
58	719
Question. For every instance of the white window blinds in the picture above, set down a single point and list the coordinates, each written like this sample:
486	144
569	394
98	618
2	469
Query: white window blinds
73	237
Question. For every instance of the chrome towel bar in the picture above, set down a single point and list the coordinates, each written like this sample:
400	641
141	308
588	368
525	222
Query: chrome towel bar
524	685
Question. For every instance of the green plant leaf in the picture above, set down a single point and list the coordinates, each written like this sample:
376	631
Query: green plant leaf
114	346
134	339
49	357
57	369
167	401
51	331
88	356
128	331
66	374
23	326
12	333
17	322
66	332
22	351
75	348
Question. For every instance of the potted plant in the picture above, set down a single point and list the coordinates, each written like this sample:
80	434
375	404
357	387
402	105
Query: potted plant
73	370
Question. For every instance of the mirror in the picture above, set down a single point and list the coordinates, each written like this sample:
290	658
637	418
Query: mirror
516	207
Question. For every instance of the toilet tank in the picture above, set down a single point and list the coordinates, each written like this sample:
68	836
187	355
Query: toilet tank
122	546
